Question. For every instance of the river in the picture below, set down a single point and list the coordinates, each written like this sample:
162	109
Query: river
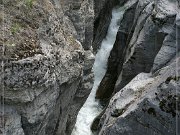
91	107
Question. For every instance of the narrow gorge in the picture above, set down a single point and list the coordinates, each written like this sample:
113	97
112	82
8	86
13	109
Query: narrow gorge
91	107
84	67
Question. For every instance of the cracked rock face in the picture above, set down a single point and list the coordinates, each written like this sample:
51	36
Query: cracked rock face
46	61
141	85
147	43
46	55
147	105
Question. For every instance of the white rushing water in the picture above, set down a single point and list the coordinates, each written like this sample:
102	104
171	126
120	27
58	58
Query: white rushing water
91	107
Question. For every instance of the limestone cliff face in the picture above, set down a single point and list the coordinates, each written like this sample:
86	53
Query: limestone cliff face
46	54
46	62
149	104
141	85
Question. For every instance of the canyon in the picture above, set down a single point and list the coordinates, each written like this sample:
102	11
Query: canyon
109	67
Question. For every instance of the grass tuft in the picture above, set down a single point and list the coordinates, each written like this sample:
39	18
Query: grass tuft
15	28
29	3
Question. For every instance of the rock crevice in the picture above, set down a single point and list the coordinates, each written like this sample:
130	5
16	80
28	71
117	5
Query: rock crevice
135	85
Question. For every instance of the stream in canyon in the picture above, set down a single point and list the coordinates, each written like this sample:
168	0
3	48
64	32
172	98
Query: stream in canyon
91	108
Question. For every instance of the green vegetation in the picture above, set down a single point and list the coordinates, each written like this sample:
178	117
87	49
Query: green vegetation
9	43
15	28
29	3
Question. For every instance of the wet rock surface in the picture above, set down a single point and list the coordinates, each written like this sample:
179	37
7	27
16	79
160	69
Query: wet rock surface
103	14
106	86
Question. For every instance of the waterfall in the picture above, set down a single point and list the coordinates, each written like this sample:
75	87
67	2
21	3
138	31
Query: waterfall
91	108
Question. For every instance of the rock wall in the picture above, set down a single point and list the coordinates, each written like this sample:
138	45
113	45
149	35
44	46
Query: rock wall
149	104
141	85
46	54
46	60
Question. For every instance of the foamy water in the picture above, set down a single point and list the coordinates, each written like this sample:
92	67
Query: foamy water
91	107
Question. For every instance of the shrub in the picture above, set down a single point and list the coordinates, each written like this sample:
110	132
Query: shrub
29	3
15	28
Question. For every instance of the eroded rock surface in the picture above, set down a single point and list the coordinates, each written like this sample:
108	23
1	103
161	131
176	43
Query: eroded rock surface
143	71
151	27
149	104
46	54
46	61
